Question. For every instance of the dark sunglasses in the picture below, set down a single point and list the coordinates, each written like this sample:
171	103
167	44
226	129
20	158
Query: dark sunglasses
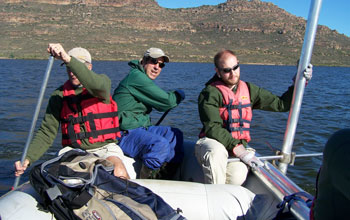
155	61
227	70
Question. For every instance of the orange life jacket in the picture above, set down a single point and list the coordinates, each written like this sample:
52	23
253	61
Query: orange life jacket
99	119
236	111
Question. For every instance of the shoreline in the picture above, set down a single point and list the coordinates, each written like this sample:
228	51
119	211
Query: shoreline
249	63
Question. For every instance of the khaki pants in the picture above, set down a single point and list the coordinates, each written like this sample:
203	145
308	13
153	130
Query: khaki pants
108	150
213	158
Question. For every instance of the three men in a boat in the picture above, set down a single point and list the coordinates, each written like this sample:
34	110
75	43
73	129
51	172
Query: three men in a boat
159	147
225	108
85	110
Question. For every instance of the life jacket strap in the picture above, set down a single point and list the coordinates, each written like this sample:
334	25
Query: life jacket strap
239	106
240	120
83	119
241	129
71	133
84	135
243	120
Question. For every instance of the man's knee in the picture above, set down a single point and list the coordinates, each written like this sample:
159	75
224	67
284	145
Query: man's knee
207	149
236	173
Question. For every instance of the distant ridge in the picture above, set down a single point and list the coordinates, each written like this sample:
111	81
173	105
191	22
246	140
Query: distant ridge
259	32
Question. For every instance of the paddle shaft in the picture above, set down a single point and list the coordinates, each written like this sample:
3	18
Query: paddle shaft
36	113
163	116
275	157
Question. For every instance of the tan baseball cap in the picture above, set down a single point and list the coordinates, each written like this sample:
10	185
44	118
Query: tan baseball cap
156	53
80	54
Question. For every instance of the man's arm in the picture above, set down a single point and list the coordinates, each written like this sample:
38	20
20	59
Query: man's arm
264	100
45	136
98	85
147	92
48	130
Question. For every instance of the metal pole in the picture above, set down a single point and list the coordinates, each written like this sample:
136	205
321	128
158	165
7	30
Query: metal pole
275	157
305	58
35	116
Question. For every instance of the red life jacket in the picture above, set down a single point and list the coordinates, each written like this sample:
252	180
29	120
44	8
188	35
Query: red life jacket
236	111
100	119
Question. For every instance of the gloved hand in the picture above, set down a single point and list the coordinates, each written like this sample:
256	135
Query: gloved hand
307	73
181	94
248	157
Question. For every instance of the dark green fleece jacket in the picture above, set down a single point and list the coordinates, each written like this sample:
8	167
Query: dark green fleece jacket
136	96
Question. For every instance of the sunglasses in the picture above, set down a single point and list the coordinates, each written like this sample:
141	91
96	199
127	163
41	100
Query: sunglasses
228	70
155	62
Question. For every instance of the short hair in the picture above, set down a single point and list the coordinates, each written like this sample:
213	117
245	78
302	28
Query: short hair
220	54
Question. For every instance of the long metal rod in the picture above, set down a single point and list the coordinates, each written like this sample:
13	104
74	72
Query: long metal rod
305	58
275	157
36	113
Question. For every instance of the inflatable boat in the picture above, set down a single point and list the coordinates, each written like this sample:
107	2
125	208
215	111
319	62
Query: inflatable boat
266	193
260	197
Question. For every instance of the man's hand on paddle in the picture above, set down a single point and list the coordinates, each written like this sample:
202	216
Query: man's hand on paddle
20	168
58	52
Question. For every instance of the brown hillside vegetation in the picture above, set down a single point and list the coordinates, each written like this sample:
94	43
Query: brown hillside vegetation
258	32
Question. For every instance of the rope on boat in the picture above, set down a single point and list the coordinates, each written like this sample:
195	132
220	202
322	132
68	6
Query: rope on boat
290	199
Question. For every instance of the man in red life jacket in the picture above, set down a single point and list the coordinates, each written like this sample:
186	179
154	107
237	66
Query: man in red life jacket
225	108
84	109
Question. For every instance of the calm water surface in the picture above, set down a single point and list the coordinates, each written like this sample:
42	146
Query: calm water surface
325	109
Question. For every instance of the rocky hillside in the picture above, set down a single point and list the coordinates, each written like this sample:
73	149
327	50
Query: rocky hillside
258	32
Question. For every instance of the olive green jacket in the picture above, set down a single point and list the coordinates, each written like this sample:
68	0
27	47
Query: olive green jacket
98	85
210	100
136	96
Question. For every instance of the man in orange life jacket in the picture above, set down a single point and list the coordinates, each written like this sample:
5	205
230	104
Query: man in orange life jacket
84	109
225	108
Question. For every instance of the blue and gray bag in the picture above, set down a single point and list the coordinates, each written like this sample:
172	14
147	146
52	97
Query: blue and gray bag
79	185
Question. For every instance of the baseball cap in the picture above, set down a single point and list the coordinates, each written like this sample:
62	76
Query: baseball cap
80	54
156	53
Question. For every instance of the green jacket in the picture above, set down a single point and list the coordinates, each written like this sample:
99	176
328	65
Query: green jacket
98	85
210	100
136	96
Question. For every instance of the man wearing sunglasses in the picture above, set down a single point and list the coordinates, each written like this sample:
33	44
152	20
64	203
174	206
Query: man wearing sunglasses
85	111
225	108
160	148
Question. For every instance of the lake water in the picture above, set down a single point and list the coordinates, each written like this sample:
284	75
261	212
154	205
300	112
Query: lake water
325	108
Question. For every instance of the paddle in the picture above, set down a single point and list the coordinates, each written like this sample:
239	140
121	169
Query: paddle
35	116
163	116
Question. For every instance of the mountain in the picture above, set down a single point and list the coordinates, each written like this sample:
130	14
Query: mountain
259	32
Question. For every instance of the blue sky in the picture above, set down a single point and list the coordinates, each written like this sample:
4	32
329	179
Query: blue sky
334	13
